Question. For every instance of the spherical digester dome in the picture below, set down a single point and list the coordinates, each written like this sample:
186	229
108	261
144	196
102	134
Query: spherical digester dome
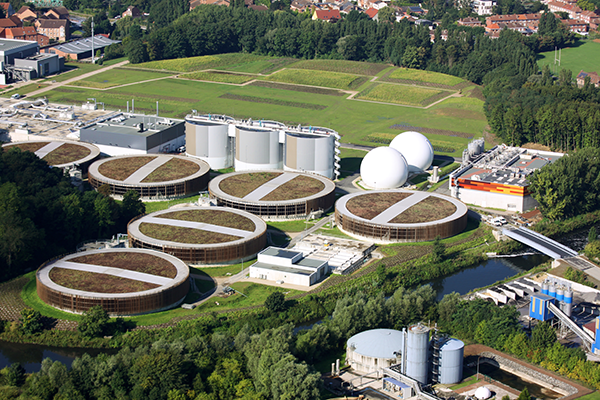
483	393
416	149
384	168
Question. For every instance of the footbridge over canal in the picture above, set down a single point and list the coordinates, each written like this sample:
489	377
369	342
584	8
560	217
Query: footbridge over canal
540	242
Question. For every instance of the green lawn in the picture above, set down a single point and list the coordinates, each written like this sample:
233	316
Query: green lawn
213	76
585	56
30	297
229	61
335	232
224	270
118	76
23	89
425	76
354	120
466	382
290	226
336	80
152	206
255	294
400	94
75	69
348	67
591	396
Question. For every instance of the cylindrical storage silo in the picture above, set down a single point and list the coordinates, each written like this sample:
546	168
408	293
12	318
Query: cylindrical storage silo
568	302
451	361
545	288
209	142
256	149
309	153
552	290
560	293
417	353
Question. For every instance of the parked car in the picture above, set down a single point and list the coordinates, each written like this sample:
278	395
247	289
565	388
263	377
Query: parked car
16	96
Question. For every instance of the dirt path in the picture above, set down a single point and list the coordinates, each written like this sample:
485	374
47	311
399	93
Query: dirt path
77	78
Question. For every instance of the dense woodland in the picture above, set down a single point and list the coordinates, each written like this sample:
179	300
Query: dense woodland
42	215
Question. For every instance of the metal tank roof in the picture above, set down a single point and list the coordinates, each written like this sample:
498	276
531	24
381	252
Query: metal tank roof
378	343
452	344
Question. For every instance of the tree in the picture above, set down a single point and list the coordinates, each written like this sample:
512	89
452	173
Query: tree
136	52
524	395
132	206
386	14
543	336
438	253
31	321
16	374
93	322
592	235
275	302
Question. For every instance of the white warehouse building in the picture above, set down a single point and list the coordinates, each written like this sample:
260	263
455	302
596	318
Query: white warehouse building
286	266
225	142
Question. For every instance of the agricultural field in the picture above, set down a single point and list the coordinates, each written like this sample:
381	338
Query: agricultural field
425	76
449	125
117	77
239	62
585	55
336	80
402	94
219	76
344	66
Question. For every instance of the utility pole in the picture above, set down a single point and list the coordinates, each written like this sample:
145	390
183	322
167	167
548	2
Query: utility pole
93	55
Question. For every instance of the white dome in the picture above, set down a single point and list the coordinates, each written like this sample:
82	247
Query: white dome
483	393
383	168
415	148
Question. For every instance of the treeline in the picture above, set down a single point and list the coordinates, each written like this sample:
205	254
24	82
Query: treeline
213	30
43	215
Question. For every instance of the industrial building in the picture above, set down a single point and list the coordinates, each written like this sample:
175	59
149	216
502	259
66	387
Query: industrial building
410	352
20	60
128	133
95	280
156	177
392	216
276	195
286	266
201	235
83	48
59	153
225	142
499	178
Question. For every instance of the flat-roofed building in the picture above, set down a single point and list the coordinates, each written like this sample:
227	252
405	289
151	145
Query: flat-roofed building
80	49
287	266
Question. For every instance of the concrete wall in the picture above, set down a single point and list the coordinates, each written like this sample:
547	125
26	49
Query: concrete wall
274	276
496	200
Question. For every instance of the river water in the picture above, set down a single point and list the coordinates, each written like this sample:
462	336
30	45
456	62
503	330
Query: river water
486	273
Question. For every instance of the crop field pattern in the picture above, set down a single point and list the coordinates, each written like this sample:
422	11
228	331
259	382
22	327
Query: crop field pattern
138	262
401	94
219	76
307	92
420	76
214	217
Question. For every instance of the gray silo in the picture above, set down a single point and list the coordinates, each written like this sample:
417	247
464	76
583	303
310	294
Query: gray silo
451	361
417	353
210	142
309	153
257	148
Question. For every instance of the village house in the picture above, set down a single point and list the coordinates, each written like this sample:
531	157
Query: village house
57	29
594	78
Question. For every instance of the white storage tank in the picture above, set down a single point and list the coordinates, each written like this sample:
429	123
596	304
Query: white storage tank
309	153
209	142
257	148
451	361
416	149
383	168
417	353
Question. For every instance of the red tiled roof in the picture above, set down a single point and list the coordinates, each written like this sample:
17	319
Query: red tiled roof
327	15
371	12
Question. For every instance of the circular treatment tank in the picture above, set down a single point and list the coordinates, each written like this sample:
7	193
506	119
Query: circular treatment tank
200	235
257	148
389	216
60	153
310	153
274	195
374	349
122	281
416	149
417	353
383	168
154	177
451	361
209	141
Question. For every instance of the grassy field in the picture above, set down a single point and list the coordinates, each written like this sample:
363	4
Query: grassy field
224	270
117	77
75	69
234	62
351	159
354	120
344	66
400	94
152	206
336	80
584	56
425	76
255	294
219	76
22	90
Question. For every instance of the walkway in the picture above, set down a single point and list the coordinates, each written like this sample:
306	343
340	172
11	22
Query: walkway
540	242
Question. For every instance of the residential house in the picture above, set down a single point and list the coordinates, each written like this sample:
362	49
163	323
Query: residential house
327	15
57	13
57	29
133	12
25	12
301	5
346	7
25	33
483	7
576	26
589	17
8	9
594	78
196	3
12	22
571	9
415	10
372	13
469	21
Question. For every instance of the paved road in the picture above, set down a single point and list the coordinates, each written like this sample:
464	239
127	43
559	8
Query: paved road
312	229
79	77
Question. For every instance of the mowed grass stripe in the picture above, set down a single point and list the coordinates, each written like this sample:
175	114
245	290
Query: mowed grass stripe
219	76
344	66
298	88
425	76
284	103
399	94
335	80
